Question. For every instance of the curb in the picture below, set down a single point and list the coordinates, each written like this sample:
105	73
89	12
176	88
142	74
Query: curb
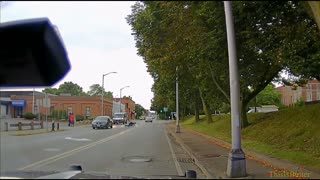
195	159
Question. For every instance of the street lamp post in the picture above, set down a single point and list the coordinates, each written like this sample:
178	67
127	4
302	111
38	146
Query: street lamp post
236	161
120	97
102	92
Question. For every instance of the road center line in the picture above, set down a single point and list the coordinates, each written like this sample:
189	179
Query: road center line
73	151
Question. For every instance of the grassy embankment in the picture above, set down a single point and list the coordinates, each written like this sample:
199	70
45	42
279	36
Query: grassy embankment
291	134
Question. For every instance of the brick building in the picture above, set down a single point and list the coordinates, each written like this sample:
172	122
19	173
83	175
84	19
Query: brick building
308	93
19	103
130	106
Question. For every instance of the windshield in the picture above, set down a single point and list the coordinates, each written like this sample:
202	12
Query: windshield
100	118
118	115
222	88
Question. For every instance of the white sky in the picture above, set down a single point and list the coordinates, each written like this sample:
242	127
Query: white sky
98	40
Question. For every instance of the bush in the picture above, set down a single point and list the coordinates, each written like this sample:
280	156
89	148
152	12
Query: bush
79	118
29	115
300	103
62	114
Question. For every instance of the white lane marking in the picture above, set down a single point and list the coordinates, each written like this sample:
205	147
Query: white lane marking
178	167
77	139
71	152
52	149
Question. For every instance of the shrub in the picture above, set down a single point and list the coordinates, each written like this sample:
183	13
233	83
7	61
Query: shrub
299	103
63	114
79	118
29	115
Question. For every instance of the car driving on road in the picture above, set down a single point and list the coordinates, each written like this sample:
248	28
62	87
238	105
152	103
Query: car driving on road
148	119
102	122
121	117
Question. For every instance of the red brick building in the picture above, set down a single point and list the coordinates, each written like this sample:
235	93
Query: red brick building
130	106
86	106
309	92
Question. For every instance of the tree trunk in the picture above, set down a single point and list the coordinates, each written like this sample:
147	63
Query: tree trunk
196	106
205	109
244	118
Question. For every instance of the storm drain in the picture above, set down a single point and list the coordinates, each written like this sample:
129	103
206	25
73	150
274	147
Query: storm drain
138	159
185	160
210	155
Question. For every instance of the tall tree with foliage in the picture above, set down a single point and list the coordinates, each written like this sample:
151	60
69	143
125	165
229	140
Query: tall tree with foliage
96	89
54	91
268	96
139	110
270	37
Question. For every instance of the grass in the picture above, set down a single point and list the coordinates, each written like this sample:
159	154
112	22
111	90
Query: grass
32	132
292	134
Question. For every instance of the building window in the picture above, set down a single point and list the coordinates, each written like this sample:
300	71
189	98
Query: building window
69	110
127	105
308	86
309	96
88	112
318	95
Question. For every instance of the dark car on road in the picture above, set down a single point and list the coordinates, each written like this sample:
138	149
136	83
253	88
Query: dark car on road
102	122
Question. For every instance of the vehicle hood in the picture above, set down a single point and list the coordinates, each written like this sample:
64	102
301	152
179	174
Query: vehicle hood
69	175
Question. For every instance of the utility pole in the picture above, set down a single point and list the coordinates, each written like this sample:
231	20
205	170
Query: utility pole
33	101
120	97
46	107
236	161
102	92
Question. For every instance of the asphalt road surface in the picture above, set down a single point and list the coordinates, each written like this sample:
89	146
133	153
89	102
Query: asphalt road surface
141	151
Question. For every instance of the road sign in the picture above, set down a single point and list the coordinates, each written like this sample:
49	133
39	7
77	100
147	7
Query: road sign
165	109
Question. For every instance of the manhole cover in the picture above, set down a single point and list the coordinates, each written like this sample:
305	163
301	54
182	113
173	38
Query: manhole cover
138	159
210	155
185	160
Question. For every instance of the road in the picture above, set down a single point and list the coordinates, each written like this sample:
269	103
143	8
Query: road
117	151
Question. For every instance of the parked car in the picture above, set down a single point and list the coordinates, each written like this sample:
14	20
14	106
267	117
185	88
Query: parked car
264	109
102	122
149	119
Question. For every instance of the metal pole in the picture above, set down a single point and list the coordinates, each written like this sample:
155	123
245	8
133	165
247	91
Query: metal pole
46	107
120	101
33	101
177	102
236	161
102	92
121	95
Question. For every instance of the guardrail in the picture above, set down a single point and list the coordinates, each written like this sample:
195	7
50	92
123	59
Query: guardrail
20	124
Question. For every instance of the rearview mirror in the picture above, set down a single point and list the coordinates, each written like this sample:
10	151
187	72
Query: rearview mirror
31	54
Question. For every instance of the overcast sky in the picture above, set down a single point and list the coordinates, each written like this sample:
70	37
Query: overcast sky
98	40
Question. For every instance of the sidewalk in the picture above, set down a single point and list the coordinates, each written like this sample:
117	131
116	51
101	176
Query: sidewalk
211	155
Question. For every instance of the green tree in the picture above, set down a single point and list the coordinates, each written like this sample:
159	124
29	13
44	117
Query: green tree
72	88
54	91
139	110
272	40
96	89
268	96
